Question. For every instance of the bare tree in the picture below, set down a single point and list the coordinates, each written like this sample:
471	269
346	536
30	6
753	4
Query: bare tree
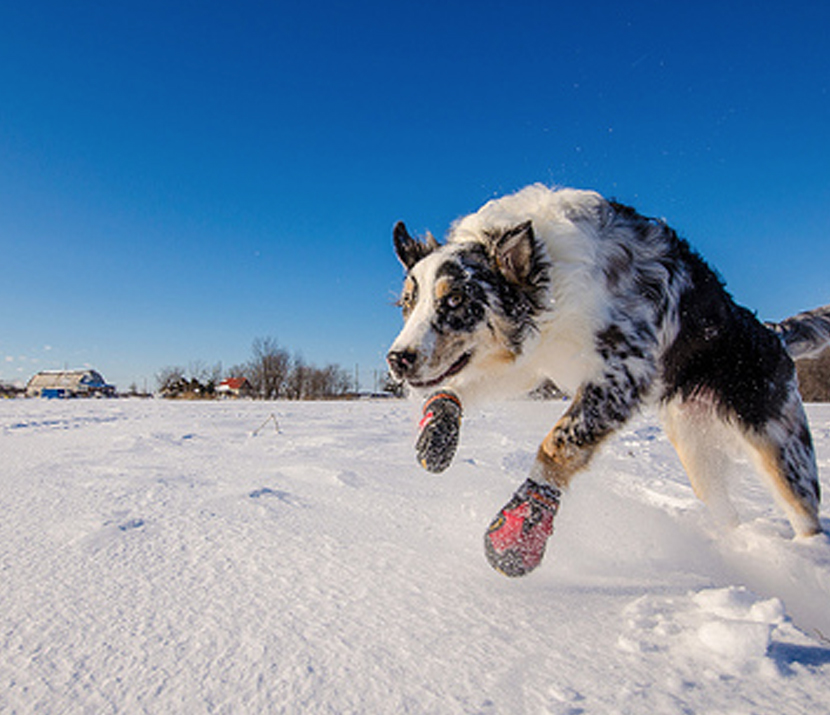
238	371
198	370
272	372
207	376
316	384
169	376
338	381
269	368
298	378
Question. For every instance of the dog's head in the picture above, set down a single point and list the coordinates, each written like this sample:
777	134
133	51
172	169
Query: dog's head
466	304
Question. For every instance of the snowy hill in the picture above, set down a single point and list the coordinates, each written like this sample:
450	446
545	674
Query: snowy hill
159	557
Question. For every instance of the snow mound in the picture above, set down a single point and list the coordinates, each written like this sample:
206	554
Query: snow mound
730	628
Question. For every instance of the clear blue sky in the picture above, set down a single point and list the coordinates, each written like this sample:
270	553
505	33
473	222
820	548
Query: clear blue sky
178	178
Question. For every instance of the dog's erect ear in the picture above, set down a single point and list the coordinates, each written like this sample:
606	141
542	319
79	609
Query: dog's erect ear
410	250
432	242
514	253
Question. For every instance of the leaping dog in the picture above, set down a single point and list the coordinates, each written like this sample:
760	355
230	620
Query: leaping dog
620	312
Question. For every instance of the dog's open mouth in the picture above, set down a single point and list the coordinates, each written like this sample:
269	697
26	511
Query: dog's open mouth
453	369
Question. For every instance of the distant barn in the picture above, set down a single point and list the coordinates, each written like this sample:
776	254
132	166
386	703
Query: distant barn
69	383
235	387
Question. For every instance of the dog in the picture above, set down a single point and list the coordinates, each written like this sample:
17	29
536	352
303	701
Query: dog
619	312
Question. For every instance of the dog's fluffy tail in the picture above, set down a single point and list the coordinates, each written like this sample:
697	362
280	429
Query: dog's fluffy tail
805	334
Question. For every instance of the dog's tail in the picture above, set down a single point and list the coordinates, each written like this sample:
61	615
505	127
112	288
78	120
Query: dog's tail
805	334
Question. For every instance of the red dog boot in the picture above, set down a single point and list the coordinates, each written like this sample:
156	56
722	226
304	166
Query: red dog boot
439	428
515	541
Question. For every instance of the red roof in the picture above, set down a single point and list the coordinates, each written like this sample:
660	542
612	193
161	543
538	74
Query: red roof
235	383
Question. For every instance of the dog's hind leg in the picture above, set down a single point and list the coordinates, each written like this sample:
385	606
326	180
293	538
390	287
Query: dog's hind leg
696	433
782	451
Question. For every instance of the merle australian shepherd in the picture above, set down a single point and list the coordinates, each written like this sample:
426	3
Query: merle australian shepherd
619	312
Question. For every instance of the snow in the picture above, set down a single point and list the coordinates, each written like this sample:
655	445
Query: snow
170	557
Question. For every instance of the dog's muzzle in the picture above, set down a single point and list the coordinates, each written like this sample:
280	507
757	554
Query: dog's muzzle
404	366
402	362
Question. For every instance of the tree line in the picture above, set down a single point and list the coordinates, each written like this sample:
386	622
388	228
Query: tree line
272	371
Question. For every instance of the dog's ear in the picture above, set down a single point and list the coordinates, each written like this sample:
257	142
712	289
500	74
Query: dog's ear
410	250
514	253
432	242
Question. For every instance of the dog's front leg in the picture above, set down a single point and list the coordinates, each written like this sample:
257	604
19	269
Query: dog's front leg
597	411
516	539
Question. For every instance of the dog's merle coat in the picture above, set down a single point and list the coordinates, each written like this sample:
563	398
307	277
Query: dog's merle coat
617	309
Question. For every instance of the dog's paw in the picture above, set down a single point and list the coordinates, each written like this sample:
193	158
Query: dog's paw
439	430
515	540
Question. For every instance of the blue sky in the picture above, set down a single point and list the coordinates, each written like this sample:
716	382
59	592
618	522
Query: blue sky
178	178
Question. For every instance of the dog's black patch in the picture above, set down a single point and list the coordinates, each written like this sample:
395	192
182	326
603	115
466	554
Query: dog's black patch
463	306
722	349
532	278
519	302
613	342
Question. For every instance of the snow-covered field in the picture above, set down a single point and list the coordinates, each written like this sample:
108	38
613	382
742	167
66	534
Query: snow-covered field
161	557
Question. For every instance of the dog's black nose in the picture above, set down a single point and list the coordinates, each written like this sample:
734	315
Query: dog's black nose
401	362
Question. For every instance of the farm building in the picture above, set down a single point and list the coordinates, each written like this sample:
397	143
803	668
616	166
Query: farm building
235	387
69	383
